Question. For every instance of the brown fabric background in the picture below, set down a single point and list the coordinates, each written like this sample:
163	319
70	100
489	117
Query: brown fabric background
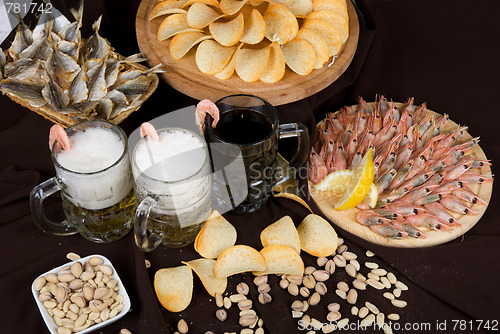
443	52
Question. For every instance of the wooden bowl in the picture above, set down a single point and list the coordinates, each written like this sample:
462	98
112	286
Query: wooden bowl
184	76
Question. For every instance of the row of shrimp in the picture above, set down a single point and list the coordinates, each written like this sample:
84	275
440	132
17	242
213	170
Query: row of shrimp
423	172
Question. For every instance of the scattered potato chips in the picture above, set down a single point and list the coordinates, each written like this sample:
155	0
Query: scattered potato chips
251	63
254	30
281	259
200	15
211	57
275	69
228	33
214	3
167	7
281	232
327	32
204	268
174	287
319	45
184	41
216	235
299	56
173	25
317	236
239	259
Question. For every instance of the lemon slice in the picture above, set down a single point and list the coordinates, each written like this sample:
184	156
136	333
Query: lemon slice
359	185
335	182
372	196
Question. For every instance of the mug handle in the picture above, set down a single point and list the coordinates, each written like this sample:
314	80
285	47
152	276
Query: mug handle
145	243
37	195
300	131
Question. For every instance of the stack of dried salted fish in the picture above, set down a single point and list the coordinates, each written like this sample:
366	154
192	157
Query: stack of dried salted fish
52	66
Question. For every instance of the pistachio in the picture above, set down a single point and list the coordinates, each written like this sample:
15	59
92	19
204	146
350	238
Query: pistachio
321	288
349	255
221	314
373	276
60	294
88	292
243	312
400	285
80	321
245	304
314	299
243	288
342	323
309	281
371	265
356	264
341	294
264	288
49	304
247	320
396	292
219	301
237	298
343	286
341	249
297	305
293	289
392	278
340	241
182	326
284	283
351	270
339	260
297	279
370	253
75	284
76	269
379	271
380	319
51	277
321	275
363	312
297	314
309	270
333	307
246	331
370	318
227	303
388	295
393	316
87	275
354	310
265	298
328	328
385	281
372	308
259	280
39	283
358	284
333	316
352	296
321	261
305	306
304	292
95	261
330	266
375	284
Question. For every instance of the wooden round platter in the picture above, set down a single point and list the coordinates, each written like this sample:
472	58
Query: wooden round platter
184	76
346	219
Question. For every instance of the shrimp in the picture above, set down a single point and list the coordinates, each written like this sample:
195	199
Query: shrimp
317	168
405	209
429	199
417	193
370	217
448	187
454	172
440	212
206	107
388	231
57	133
149	132
473	177
455	204
401	175
385	180
427	220
466	194
403	225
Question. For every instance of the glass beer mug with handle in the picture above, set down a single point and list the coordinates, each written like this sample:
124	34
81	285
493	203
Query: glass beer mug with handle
95	180
173	185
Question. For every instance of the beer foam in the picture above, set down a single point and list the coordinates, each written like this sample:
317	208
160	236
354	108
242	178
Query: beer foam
178	154
91	150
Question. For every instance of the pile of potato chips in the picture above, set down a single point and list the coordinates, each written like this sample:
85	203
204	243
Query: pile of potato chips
221	258
257	39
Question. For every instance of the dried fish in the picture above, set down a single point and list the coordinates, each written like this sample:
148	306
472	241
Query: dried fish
30	92
78	90
22	69
53	66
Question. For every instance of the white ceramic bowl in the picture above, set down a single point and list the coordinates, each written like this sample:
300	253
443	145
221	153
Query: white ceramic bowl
49	321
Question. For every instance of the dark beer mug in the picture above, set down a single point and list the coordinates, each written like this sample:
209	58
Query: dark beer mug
244	151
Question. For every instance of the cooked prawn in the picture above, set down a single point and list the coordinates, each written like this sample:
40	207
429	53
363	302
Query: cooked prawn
206	107
57	133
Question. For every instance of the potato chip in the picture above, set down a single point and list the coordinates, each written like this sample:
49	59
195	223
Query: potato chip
228	70
173	25
214	3
204	268
299	56
167	7
300	8
211	57
251	63
278	29
228	33
174	287
275	69
281	2
281	232
339	22
318	43
239	259
293	197
216	235
317	236
281	259
231	7
285	15
328	33
200	15
254	30
255	3
184	41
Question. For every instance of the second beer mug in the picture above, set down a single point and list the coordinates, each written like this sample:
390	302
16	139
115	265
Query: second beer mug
173	186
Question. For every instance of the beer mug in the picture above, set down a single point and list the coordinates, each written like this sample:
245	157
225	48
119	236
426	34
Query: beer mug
248	131
96	184
173	185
